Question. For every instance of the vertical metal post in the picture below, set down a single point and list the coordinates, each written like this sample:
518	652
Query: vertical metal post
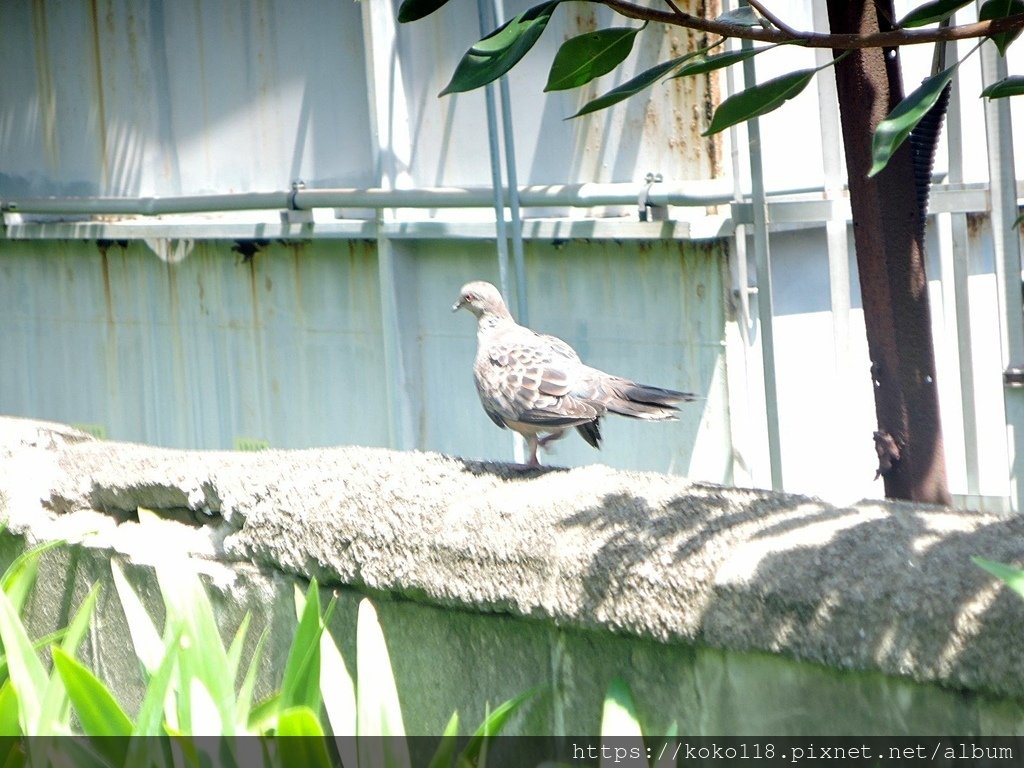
954	253
392	148
485	11
762	259
1006	245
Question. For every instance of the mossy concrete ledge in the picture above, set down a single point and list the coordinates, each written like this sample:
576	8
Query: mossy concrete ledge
728	610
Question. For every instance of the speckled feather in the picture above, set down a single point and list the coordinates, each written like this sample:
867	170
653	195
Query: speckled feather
537	384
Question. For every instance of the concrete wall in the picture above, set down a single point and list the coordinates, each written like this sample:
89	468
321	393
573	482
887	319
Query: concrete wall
727	611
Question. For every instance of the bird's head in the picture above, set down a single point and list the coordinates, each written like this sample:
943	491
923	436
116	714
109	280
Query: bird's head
481	299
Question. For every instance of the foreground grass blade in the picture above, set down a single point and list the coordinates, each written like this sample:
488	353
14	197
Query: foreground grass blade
97	709
300	685
492	725
1012	577
148	646
20	575
26	670
445	754
55	711
618	716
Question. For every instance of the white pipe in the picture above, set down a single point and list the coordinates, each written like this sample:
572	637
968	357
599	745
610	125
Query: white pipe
704	193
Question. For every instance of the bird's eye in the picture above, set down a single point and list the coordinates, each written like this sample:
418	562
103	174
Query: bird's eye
470	297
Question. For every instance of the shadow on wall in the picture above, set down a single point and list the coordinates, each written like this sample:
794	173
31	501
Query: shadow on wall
854	588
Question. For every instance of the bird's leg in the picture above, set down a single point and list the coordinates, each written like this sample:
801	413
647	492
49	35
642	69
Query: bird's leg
550	438
532	443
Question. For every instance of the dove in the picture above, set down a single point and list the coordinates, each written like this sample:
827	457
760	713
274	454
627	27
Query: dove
537	385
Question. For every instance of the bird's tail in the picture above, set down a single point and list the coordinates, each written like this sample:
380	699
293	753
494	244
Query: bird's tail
642	401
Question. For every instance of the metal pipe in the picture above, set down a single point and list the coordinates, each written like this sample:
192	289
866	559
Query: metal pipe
687	194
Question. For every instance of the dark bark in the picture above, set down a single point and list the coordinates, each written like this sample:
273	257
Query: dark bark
891	266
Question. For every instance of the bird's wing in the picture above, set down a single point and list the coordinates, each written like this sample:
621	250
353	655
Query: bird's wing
527	377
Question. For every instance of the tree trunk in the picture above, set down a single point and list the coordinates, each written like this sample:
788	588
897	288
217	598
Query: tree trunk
891	266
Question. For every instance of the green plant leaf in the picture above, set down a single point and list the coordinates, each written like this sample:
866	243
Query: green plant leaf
444	755
492	725
309	750
929	13
149	648
703	63
237	645
618	714
582	58
631	87
26	670
379	712
9	725
300	685
337	688
243	704
759	99
1012	577
411	10
202	653
20	575
1008	86
151	713
55	711
496	54
97	709
997	9
898	124
263	716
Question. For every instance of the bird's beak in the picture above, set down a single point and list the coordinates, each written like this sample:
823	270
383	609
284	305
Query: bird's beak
457	305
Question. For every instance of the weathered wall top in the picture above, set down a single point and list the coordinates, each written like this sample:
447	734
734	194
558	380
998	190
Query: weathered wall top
875	586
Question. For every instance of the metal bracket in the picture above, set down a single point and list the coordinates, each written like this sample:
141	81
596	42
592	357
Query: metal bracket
1013	377
293	214
646	210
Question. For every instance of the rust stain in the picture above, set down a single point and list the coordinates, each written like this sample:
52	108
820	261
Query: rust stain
101	116
975	222
108	294
44	84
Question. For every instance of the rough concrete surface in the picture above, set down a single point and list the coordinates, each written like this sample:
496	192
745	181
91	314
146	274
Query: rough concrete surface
876	587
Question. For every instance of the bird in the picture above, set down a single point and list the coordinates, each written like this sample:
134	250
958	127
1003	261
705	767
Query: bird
538	386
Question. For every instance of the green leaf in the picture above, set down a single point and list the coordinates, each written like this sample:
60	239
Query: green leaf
582	58
1012	577
703	63
618	715
309	750
759	100
55	711
339	692
97	709
929	13
149	648
1009	86
631	87
202	653
411	10
151	712
300	685
9	709
445	753
27	674
20	575
898	124
237	645
497	53
492	725
997	9
244	700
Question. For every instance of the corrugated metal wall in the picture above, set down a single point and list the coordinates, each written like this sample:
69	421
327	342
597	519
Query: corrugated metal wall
302	345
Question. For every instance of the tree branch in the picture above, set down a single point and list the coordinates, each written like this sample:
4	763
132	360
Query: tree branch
890	39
